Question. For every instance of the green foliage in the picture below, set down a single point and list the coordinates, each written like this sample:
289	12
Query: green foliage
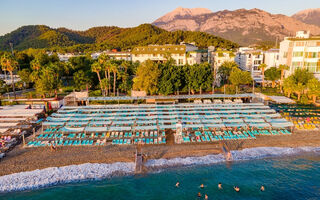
225	70
81	80
101	38
48	82
272	74
24	75
147	77
238	77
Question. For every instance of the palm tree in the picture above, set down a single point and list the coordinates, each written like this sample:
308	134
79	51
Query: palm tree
103	60
262	67
96	67
299	89
282	68
114	69
314	89
9	63
289	85
272	74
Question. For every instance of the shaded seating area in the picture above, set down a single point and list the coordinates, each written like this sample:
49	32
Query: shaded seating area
147	124
304	117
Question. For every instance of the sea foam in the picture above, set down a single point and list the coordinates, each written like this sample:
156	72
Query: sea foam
245	154
60	175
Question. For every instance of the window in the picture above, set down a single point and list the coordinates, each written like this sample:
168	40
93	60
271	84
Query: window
299	44
180	61
297	54
285	54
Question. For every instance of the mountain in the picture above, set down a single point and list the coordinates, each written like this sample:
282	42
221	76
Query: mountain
309	16
242	26
101	38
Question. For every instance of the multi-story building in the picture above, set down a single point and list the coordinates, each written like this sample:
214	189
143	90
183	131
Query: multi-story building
219	57
271	58
183	54
249	60
302	51
117	55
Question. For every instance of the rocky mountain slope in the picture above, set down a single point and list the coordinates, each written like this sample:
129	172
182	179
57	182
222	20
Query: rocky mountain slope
242	26
309	16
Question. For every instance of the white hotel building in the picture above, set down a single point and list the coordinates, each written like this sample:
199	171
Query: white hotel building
302	51
183	54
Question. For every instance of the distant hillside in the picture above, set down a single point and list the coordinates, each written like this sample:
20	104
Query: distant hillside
242	26
40	36
309	16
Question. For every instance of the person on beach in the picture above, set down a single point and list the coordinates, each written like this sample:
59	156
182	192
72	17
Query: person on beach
201	186
236	188
262	188
220	186
206	197
177	184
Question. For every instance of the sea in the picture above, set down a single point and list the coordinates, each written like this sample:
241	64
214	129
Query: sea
294	175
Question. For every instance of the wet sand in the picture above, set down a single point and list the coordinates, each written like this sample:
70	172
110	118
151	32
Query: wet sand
26	159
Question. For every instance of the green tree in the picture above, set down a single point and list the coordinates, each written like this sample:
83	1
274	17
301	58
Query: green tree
313	86
282	68
48	82
262	67
114	70
238	77
96	67
81	81
289	85
272	74
147	77
9	63
25	75
225	70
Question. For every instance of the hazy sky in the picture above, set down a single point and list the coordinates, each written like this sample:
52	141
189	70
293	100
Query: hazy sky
83	14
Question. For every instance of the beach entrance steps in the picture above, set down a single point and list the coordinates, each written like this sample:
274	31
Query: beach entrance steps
139	161
170	137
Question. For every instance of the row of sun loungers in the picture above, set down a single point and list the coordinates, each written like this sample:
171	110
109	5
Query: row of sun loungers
160	140
208	136
38	143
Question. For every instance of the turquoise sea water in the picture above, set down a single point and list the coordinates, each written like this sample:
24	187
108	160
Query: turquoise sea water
296	177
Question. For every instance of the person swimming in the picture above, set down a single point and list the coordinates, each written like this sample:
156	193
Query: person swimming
177	184
219	186
236	188
262	188
206	197
201	186
199	194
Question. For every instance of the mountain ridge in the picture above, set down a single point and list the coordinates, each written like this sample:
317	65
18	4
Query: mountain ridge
104	37
242	26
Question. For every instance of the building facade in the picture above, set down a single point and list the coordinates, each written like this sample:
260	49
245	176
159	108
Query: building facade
183	54
249	60
302	51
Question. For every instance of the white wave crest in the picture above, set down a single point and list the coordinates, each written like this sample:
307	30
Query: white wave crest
59	175
245	154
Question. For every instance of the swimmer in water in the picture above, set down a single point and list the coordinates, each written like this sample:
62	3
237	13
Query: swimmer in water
177	184
206	197
220	186
262	188
236	188
199	194
201	186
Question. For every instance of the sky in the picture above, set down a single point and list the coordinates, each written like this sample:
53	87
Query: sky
83	14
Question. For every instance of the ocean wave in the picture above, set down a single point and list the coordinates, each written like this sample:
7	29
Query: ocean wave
60	175
245	154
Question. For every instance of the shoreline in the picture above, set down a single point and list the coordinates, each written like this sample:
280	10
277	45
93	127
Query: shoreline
28	159
52	176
